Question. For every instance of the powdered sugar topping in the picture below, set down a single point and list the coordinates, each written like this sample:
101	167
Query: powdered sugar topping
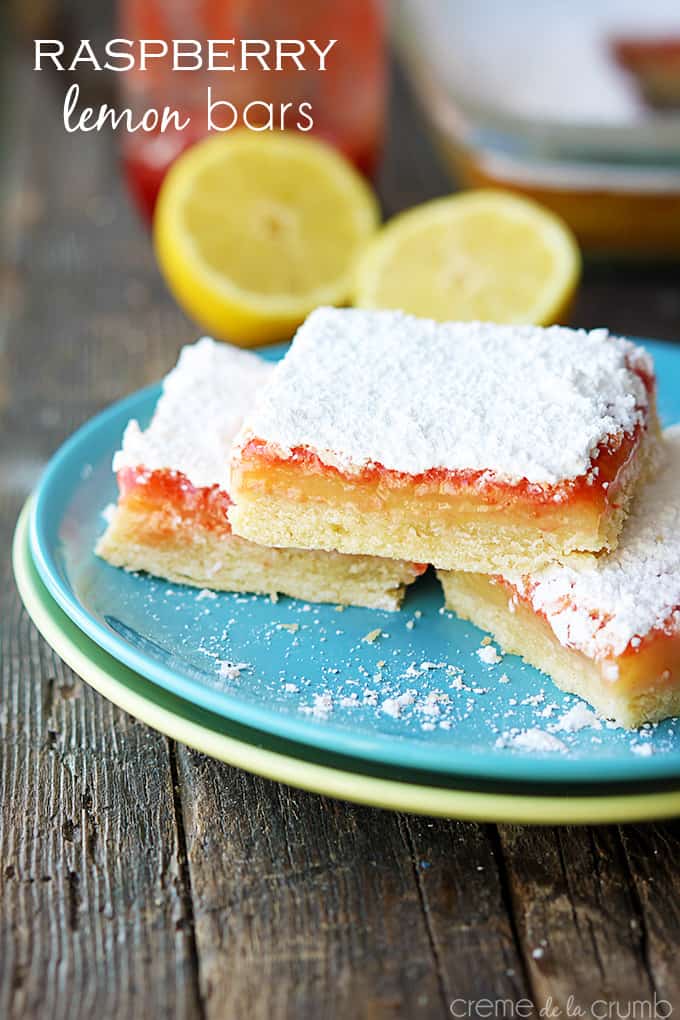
361	387
600	605
204	400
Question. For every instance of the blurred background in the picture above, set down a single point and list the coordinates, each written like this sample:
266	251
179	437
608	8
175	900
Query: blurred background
575	104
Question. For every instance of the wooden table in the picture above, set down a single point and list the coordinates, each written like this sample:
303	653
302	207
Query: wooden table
139	879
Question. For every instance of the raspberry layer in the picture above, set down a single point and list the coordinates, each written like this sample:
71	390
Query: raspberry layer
177	503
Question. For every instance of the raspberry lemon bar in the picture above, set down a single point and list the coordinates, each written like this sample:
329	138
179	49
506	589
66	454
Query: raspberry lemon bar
605	627
171	517
471	446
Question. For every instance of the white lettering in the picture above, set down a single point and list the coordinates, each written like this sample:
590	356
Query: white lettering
305	110
289	49
322	53
91	119
213	105
39	50
249	49
115	52
219	49
147	48
85	55
184	50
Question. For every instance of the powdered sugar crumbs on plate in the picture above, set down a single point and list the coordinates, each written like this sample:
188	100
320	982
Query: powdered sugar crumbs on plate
423	696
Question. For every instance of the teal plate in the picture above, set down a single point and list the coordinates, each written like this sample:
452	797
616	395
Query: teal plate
309	675
309	768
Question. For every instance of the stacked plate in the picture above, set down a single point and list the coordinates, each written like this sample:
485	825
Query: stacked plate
538	97
396	710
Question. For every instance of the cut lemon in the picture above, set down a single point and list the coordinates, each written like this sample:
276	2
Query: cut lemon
253	231
479	255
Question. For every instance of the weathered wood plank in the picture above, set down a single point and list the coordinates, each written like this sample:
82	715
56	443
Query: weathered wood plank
639	300
94	918
469	919
410	171
576	916
303	907
652	854
92	910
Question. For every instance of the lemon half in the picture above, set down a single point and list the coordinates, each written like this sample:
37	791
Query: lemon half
484	254
253	231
